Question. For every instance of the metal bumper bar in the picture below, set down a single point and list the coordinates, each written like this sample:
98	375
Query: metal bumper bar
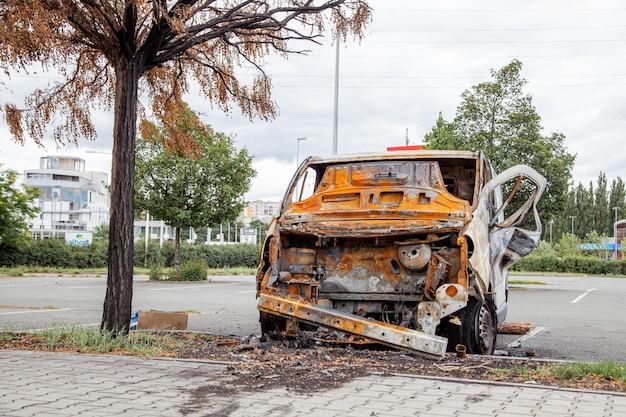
388	334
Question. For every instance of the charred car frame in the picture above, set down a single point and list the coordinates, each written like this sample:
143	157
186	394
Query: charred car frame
409	248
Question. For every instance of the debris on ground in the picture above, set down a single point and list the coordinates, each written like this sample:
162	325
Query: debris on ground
308	364
514	328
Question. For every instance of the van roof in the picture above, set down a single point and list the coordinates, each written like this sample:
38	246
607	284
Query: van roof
394	155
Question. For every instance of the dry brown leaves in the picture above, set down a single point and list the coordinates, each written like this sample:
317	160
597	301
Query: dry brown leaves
306	365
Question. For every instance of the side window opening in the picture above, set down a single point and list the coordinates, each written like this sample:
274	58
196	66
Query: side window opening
305	186
515	203
459	177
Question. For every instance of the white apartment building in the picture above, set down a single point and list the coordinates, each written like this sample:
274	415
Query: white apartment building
71	200
261	210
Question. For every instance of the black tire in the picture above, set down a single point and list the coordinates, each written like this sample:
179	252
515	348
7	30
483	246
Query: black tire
480	326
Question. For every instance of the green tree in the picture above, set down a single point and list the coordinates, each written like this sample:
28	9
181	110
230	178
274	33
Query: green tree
15	207
443	135
191	187
260	228
596	239
568	245
593	206
498	119
603	219
107	52
584	210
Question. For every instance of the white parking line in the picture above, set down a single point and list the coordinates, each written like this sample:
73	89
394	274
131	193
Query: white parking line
35	311
518	342
82	288
581	296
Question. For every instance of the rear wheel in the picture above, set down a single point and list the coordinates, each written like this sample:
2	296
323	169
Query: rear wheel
479	328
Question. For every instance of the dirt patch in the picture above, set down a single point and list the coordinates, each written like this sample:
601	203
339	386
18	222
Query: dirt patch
307	365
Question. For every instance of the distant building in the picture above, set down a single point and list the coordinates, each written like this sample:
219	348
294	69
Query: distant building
156	230
261	210
72	200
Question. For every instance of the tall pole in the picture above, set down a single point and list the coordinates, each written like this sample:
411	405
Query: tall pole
615	231
572	217
550	223
336	111
145	254
298	152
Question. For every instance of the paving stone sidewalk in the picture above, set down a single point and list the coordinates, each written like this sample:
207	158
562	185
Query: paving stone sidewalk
61	384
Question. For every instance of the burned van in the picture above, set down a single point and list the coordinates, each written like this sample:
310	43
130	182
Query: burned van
407	248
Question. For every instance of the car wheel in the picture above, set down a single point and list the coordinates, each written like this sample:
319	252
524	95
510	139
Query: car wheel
479	328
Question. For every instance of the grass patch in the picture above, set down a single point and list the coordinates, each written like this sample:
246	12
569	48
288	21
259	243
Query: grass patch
518	373
94	340
526	281
608	369
12	272
232	271
20	271
100	272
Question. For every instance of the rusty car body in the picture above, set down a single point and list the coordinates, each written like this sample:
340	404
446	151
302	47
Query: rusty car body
410	249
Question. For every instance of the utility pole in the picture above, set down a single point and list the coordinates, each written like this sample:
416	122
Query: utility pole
615	231
550	223
336	111
298	152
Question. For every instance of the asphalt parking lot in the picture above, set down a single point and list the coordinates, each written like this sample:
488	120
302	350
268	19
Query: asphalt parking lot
572	317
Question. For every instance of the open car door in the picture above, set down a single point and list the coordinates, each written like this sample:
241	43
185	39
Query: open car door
499	240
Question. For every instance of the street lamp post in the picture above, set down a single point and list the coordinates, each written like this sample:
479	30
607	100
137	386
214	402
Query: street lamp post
615	232
298	151
572	217
550	223
336	101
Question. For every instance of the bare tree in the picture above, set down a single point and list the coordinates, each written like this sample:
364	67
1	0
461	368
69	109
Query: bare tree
111	51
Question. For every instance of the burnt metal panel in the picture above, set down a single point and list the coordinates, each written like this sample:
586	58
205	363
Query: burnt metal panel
384	333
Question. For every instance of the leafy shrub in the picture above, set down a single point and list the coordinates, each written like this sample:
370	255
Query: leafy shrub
56	254
549	263
98	253
157	273
571	264
154	253
10	256
193	271
167	253
50	252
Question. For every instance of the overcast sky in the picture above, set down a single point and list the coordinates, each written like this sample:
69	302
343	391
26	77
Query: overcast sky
415	61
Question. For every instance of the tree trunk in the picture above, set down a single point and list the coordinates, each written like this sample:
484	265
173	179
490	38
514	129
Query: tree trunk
119	291
177	252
